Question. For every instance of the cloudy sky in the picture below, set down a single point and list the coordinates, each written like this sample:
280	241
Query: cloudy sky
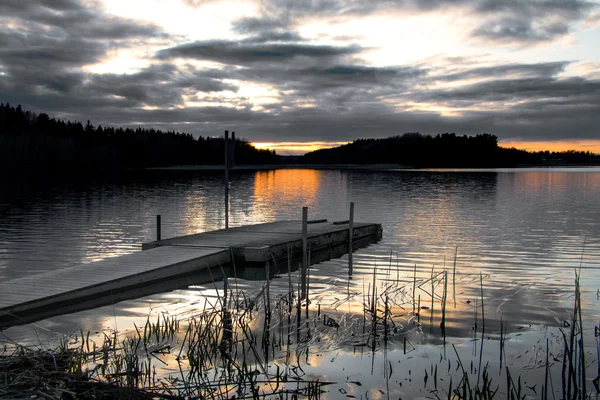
300	74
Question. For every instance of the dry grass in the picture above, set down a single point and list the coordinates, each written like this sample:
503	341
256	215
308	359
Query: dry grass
56	374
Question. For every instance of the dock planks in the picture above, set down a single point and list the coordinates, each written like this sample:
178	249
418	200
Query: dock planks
262	242
23	298
114	279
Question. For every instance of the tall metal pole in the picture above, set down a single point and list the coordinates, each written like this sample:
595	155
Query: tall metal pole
304	251
226	179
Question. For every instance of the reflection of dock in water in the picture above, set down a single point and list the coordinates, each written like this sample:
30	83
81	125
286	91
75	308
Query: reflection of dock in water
176	262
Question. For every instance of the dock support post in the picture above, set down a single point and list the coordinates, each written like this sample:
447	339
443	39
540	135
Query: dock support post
350	238
158	233
226	178
304	251
225	291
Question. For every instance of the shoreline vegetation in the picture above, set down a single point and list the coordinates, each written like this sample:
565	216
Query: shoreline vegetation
39	142
260	346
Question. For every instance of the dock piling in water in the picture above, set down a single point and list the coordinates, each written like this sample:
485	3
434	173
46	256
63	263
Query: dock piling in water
350	238
304	251
226	177
158	228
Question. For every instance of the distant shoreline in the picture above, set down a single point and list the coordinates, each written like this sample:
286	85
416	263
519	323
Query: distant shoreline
350	167
280	166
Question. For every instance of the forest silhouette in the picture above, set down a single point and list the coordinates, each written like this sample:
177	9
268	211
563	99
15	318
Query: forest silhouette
447	150
30	140
36	140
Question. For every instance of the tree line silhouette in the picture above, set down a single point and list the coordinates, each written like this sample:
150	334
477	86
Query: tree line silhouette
31	140
446	150
38	141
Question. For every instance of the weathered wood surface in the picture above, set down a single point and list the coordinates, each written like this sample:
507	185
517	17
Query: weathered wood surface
258	243
72	284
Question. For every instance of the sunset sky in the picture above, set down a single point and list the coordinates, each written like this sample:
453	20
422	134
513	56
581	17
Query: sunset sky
299	75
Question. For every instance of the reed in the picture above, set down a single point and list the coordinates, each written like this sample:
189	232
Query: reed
244	346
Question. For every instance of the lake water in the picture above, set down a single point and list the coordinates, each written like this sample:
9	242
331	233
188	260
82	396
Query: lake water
523	233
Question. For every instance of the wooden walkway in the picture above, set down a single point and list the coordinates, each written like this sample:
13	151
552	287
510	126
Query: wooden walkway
108	281
263	242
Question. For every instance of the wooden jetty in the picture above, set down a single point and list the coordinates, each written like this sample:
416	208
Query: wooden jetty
198	258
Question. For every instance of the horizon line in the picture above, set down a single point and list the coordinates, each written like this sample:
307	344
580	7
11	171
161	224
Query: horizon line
286	148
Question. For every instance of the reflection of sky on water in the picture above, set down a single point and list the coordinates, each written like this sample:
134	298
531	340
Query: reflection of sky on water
523	231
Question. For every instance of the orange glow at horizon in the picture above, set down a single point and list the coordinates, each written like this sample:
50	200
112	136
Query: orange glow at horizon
300	148
296	148
558	145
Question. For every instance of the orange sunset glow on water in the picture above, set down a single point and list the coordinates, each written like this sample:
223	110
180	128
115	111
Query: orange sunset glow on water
285	186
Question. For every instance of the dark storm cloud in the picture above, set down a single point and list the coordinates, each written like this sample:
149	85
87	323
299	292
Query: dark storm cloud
520	30
263	30
32	60
160	85
253	25
511	90
33	47
333	120
547	69
42	43
70	18
242	53
501	21
326	78
528	22
313	72
543	107
545	120
20	8
265	37
349	100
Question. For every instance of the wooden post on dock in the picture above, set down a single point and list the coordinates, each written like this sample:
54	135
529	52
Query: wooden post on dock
350	237
304	252
226	179
158	233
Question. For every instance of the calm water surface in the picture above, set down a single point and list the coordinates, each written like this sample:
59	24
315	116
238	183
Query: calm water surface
523	231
